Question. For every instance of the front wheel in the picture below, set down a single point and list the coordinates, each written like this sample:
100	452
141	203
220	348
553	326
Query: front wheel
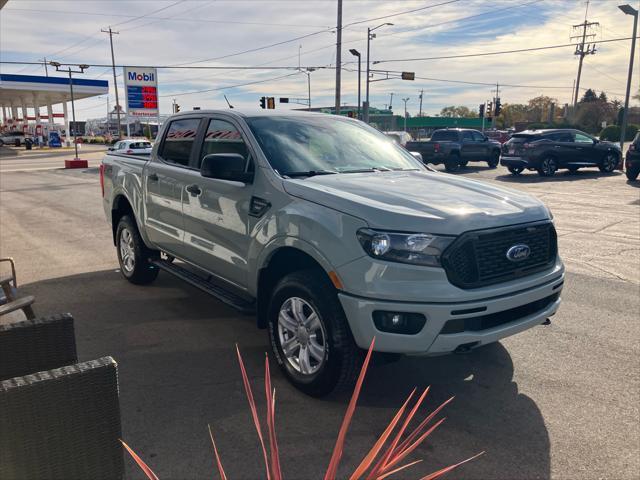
548	167
516	170
609	163
133	254
310	336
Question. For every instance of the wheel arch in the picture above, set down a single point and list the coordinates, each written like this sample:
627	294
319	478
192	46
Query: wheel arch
287	257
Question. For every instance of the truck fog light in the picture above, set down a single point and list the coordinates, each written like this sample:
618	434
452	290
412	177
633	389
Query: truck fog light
399	322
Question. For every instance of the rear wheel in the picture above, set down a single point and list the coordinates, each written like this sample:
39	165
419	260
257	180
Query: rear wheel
516	170
632	172
452	164
548	167
573	169
609	163
310	336
494	160
133	254
463	163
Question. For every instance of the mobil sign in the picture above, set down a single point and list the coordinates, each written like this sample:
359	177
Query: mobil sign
141	90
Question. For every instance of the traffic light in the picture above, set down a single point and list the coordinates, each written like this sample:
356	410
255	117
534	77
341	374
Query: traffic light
498	109
481	110
271	103
263	102
489	111
176	108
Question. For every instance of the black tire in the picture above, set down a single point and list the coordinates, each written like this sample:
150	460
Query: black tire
463	163
515	170
632	172
341	360
609	163
548	166
573	169
452	164
139	271
494	160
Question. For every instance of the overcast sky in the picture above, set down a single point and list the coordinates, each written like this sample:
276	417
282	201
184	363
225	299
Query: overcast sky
219	32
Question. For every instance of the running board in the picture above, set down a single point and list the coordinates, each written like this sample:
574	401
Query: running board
222	294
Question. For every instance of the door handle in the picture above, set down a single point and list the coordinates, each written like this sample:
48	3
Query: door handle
153	177
194	190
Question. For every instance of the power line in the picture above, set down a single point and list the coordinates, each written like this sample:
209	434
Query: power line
400	13
229	86
182	19
503	52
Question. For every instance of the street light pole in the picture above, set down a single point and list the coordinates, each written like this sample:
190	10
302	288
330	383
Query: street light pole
370	36
629	10
356	53
73	107
405	100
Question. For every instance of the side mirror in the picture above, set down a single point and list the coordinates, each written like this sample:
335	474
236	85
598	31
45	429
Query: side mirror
486	139
225	166
417	156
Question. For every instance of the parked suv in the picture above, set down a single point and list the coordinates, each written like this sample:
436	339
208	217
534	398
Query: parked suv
333	235
632	160
549	150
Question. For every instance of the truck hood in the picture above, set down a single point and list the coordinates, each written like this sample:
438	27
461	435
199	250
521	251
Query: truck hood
419	201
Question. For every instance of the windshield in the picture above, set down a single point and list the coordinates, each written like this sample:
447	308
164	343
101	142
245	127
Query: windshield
327	144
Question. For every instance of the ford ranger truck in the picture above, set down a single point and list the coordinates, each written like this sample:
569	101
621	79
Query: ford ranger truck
332	235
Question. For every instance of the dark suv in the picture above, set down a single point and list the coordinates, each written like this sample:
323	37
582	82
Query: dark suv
548	150
632	160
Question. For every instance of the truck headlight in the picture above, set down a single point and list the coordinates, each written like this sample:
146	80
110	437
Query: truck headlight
413	248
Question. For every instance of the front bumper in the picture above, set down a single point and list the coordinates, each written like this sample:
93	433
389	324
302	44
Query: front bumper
430	340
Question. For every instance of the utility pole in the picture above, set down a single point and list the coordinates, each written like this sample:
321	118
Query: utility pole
44	62
628	10
405	100
391	101
420	110
370	36
115	83
495	102
338	56
586	26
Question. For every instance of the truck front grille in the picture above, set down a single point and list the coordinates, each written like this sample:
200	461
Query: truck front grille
479	258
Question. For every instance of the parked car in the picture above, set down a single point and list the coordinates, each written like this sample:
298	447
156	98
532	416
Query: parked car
132	146
455	147
501	136
401	138
550	150
13	138
632	160
332	235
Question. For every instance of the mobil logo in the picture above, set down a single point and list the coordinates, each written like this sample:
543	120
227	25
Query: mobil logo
141	77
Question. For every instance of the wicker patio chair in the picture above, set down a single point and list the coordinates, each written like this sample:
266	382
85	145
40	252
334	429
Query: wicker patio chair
62	424
9	301
35	345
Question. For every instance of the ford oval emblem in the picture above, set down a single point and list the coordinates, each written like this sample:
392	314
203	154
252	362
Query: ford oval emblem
518	253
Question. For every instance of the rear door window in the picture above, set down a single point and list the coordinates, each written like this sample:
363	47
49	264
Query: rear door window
179	140
444	136
582	138
467	136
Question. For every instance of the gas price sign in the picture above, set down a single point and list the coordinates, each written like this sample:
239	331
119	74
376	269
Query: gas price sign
141	87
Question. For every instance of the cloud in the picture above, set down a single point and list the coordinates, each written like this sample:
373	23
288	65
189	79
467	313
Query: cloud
194	30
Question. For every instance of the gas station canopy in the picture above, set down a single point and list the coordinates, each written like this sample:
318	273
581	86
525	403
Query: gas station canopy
33	91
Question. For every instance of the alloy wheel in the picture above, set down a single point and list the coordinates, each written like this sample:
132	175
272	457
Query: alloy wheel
302	336
549	166
610	162
127	251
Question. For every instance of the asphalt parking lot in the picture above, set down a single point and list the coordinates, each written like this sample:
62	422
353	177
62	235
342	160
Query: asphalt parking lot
557	401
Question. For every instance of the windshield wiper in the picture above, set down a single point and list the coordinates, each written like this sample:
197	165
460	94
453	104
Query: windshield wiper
367	170
308	173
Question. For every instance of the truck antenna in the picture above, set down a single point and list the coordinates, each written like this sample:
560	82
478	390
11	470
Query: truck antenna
225	97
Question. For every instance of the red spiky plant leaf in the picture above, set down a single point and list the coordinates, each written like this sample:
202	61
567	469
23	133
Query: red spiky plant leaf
143	466
348	416
223	475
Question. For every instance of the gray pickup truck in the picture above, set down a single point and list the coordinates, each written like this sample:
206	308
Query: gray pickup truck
455	147
332	235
